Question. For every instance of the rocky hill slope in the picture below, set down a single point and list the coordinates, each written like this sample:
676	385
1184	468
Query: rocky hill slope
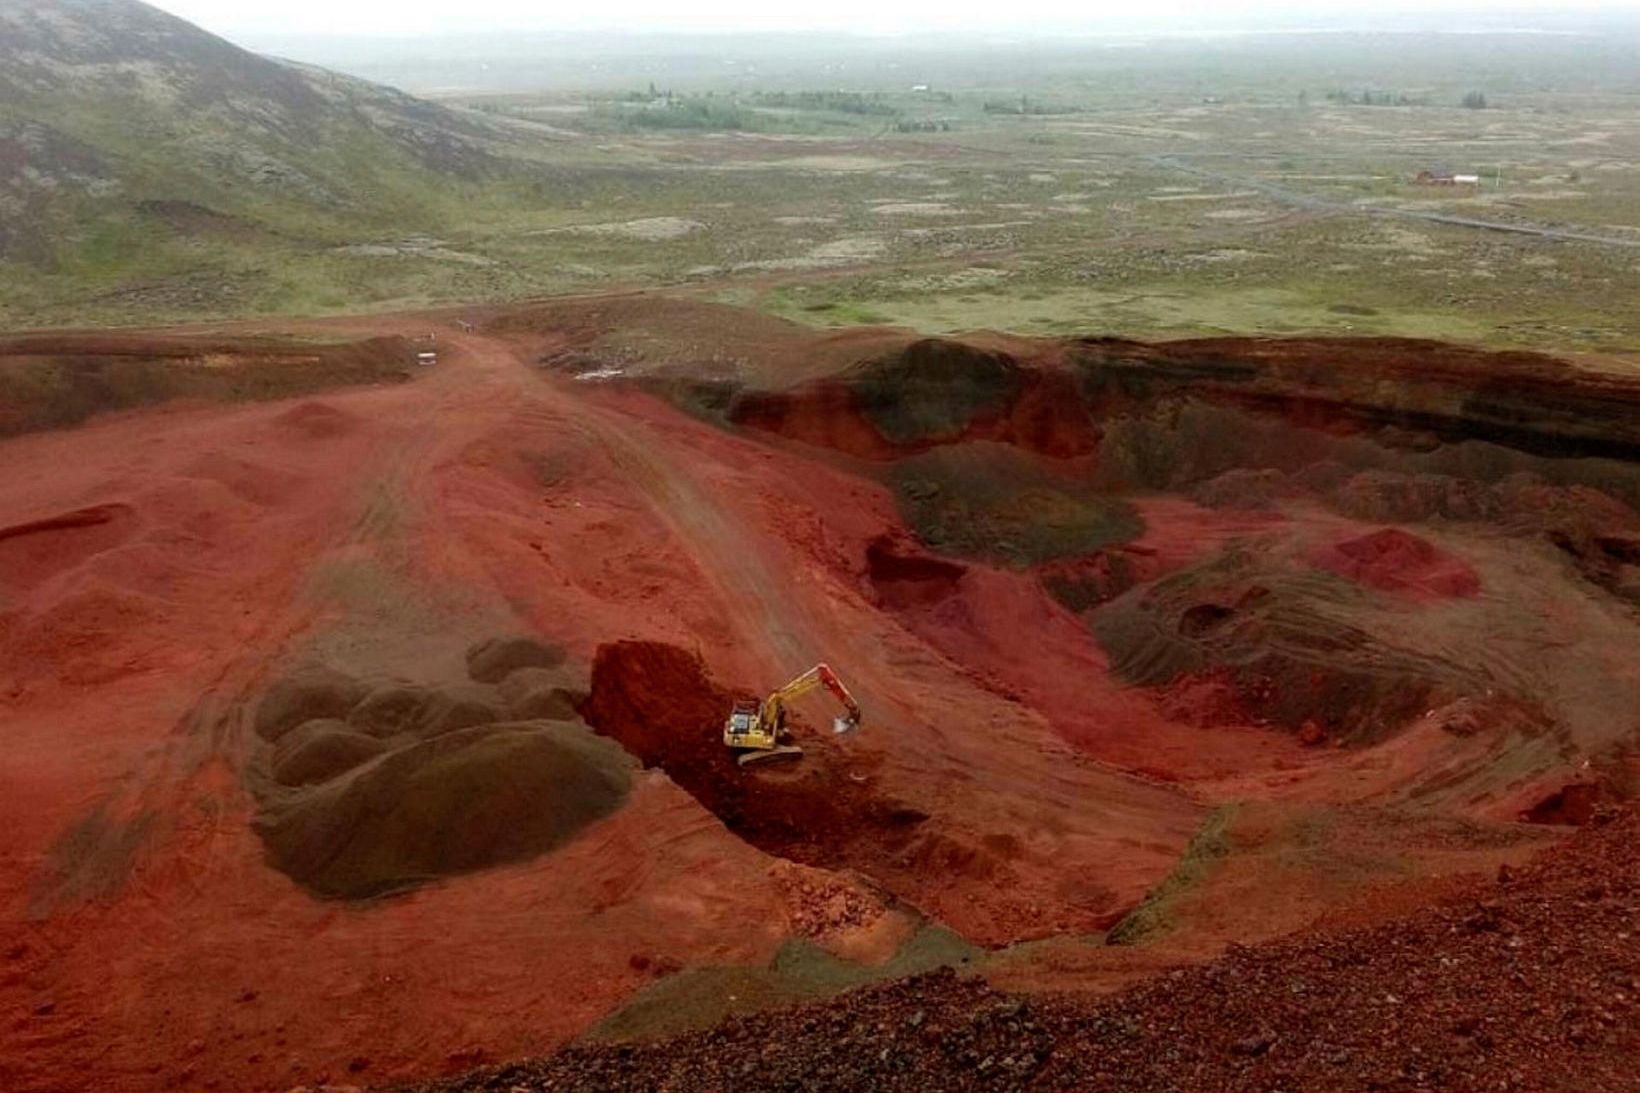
121	126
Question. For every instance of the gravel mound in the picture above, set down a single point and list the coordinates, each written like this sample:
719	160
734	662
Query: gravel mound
397	708
1296	644
322	750
463	801
540	694
992	502
305	696
495	659
1526	982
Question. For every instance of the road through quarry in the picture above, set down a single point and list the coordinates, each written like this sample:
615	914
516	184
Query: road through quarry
371	733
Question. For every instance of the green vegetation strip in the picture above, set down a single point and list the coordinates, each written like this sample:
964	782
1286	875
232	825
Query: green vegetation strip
991	503
1207	849
700	997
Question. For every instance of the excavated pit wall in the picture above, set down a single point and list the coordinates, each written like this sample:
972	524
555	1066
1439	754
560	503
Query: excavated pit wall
659	703
1033	461
52	381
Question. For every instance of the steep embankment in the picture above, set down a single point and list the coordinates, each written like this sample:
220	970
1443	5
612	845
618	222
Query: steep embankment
50	381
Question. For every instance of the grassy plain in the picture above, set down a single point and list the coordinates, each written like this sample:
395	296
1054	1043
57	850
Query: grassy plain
1162	190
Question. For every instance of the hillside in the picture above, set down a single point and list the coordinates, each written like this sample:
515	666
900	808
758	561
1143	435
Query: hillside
134	142
1520	983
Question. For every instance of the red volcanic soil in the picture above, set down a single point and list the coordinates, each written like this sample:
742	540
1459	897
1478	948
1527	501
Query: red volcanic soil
31	552
1027	776
166	568
1398	561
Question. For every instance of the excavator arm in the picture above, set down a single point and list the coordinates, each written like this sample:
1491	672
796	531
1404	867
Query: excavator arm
820	675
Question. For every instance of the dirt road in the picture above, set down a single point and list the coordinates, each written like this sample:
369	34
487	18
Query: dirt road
1310	202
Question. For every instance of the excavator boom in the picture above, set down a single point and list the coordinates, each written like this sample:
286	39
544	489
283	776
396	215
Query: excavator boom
821	675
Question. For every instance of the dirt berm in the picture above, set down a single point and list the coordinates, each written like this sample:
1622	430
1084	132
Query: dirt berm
1169	415
932	392
48	382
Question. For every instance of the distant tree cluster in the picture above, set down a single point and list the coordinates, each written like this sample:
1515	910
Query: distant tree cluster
1475	100
655	108
842	102
1024	106
701	112
1369	97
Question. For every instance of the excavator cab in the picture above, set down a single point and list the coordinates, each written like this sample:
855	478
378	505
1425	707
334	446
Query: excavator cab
754	729
744	729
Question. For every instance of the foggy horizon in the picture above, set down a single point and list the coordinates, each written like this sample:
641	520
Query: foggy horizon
263	20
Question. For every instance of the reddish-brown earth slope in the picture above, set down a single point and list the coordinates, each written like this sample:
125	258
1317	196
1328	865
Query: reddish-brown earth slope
381	531
1086	600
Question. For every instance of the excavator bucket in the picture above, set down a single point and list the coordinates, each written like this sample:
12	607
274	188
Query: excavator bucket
842	725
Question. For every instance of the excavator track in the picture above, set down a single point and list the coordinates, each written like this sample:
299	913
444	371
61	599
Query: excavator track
779	751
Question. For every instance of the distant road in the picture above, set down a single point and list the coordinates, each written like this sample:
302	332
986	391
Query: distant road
1310	201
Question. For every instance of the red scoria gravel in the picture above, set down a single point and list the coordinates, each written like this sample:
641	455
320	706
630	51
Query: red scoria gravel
1529	981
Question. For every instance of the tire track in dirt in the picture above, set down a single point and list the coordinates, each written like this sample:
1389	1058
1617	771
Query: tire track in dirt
936	737
745	580
170	782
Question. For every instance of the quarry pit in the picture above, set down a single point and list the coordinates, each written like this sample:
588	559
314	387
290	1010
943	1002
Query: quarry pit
410	691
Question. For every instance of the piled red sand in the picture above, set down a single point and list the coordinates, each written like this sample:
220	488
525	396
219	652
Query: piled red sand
1399	561
1526	982
32	552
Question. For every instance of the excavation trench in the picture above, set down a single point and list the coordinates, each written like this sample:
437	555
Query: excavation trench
658	702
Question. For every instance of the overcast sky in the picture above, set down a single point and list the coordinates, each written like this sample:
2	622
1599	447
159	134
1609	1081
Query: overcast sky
417	17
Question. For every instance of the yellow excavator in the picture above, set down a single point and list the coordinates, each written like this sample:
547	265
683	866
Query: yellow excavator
755	729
